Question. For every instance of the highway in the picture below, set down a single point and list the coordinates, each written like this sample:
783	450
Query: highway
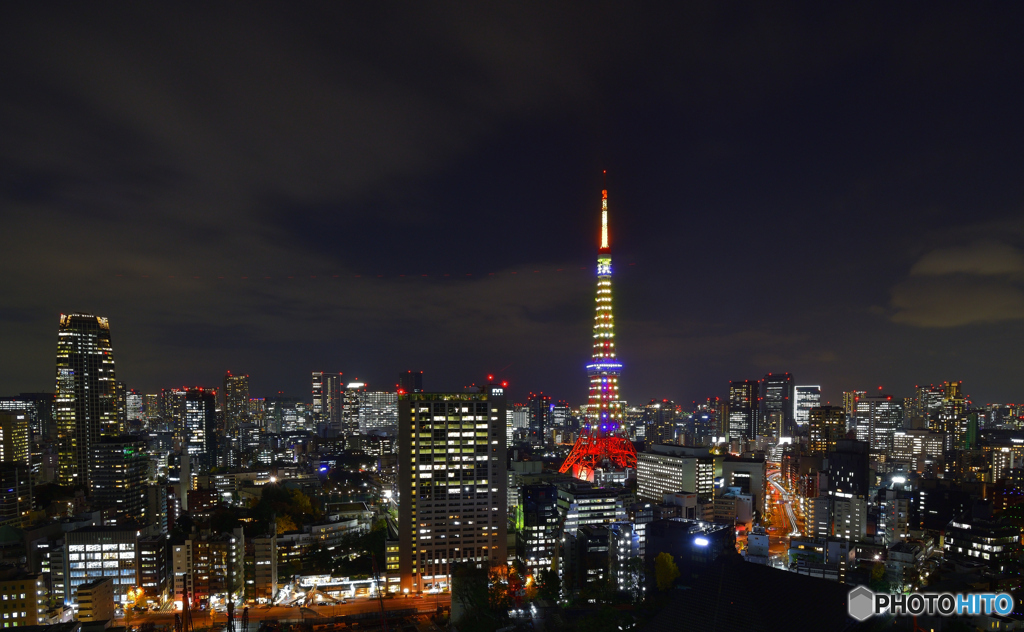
794	530
202	619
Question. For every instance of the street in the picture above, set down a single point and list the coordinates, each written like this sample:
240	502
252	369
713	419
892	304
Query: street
201	619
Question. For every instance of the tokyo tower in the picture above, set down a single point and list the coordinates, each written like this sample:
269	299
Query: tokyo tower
602	441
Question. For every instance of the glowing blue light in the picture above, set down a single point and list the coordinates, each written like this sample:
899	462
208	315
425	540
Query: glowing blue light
700	541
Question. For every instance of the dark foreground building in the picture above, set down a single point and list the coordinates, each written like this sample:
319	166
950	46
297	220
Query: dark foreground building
734	595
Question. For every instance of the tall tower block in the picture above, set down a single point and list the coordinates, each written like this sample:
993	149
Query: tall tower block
602	441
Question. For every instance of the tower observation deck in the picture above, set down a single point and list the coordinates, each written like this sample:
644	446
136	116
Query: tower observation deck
602	441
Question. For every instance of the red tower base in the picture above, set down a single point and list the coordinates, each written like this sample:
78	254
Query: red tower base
592	451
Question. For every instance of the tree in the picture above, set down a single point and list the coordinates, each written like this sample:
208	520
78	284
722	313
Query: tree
548	586
285	524
665	571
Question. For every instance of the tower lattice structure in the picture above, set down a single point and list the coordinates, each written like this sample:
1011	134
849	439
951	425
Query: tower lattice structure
602	441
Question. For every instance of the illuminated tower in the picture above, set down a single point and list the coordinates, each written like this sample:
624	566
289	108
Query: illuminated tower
602	441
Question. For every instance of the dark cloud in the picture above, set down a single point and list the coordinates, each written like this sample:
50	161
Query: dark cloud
775	175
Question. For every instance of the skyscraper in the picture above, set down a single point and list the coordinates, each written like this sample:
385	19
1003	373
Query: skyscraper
807	397
200	421
776	406
14	437
540	417
410	382
602	439
453	498
352	403
327	400
827	428
119	480
86	394
878	417
236	401
743	409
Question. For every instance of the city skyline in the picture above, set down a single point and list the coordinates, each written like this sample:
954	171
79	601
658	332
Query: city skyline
853	176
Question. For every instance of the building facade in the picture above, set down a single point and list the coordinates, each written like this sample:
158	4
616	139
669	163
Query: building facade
452	506
85	407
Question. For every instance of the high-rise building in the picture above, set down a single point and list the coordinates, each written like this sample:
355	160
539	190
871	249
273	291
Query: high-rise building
352	401
776	406
659	422
743	409
152	404
827	427
121	405
927	404
15	493
133	405
537	540
410	382
236	401
200	422
258	412
540	416
119	482
455	485
878	417
850	399
14	437
327	400
953	417
153	567
602	441
377	409
848	469
807	397
86	394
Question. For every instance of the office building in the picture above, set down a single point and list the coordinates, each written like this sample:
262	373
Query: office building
827	427
15	493
14	437
119	481
236	401
877	418
539	406
453	502
777	405
850	399
664	469
750	475
807	398
85	406
976	537
659	422
209	566
378	410
953	417
848	469
199	426
101	552
327	401
352	400
743	409
410	382
581	503
537	540
96	600
152	566
927	404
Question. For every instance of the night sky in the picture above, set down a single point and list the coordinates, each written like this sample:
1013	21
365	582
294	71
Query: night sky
831	191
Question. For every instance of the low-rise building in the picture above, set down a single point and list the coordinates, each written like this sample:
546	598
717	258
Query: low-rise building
96	600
